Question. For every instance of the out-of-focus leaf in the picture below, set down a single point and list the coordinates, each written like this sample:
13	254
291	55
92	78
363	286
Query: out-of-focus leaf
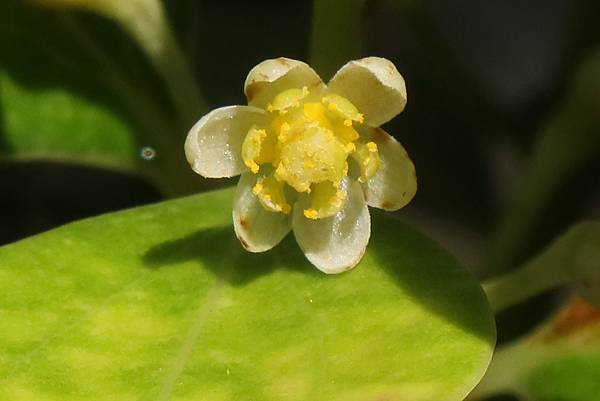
559	361
62	82
145	21
162	303
59	124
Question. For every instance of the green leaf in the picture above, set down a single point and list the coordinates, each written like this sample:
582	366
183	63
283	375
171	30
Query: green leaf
74	87
559	361
53	101
59	124
162	303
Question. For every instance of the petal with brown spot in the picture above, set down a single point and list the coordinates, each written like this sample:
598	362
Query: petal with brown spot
273	76
395	183
257	229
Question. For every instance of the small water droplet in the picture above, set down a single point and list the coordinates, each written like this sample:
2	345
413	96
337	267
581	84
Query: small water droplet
147	153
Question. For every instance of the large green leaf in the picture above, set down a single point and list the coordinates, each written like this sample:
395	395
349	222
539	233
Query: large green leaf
558	362
162	303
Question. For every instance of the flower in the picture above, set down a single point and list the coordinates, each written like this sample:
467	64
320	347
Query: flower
310	155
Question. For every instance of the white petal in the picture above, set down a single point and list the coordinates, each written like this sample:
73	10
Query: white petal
214	144
374	86
336	243
257	229
395	182
271	77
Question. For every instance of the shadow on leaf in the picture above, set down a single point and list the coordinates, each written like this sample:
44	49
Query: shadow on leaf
421	269
219	251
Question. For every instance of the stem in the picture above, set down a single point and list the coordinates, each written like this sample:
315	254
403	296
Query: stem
559	264
533	278
336	36
569	140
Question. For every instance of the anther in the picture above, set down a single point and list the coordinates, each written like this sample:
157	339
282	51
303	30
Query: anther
311	213
252	166
257	188
372	147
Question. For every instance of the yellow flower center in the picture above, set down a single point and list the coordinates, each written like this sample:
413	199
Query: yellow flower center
305	149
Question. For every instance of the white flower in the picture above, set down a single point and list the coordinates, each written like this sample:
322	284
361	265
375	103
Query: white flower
310	155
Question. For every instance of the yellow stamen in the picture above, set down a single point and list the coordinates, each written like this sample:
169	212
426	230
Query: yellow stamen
315	112
326	200
259	135
337	200
311	213
368	160
343	107
257	148
346	133
308	144
252	166
284	132
289	98
257	188
280	172
271	195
